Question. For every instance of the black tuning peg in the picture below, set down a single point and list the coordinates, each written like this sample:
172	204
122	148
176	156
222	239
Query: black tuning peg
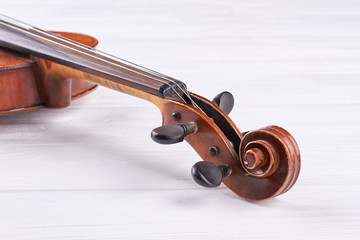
207	174
225	101
169	134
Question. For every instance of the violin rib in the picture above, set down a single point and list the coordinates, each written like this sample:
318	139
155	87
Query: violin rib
20	86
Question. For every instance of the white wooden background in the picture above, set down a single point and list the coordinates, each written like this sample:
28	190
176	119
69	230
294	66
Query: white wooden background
91	171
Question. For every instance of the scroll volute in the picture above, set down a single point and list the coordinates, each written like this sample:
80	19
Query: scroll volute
268	160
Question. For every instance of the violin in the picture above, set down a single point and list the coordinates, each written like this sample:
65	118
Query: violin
50	69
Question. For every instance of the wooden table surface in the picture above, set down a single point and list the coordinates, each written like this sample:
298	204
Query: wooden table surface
91	171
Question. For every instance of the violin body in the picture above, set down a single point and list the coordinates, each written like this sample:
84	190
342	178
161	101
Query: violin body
24	87
42	69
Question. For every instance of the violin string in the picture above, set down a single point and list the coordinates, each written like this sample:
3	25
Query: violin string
115	60
111	59
27	32
133	67
82	52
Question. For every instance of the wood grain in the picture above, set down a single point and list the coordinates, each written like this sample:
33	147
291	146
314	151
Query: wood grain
27	84
79	173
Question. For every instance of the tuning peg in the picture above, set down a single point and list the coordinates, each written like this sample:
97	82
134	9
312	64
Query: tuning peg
225	101
207	174
169	134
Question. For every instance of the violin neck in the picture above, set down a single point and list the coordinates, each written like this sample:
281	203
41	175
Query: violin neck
45	45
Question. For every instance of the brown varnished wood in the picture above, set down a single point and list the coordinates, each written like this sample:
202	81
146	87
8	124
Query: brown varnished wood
267	163
29	83
241	182
79	38
18	85
55	76
22	90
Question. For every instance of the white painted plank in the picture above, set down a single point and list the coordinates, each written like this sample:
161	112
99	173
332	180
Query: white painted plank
91	171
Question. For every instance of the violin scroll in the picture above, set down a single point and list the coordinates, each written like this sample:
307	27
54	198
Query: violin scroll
43	69
258	165
271	153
